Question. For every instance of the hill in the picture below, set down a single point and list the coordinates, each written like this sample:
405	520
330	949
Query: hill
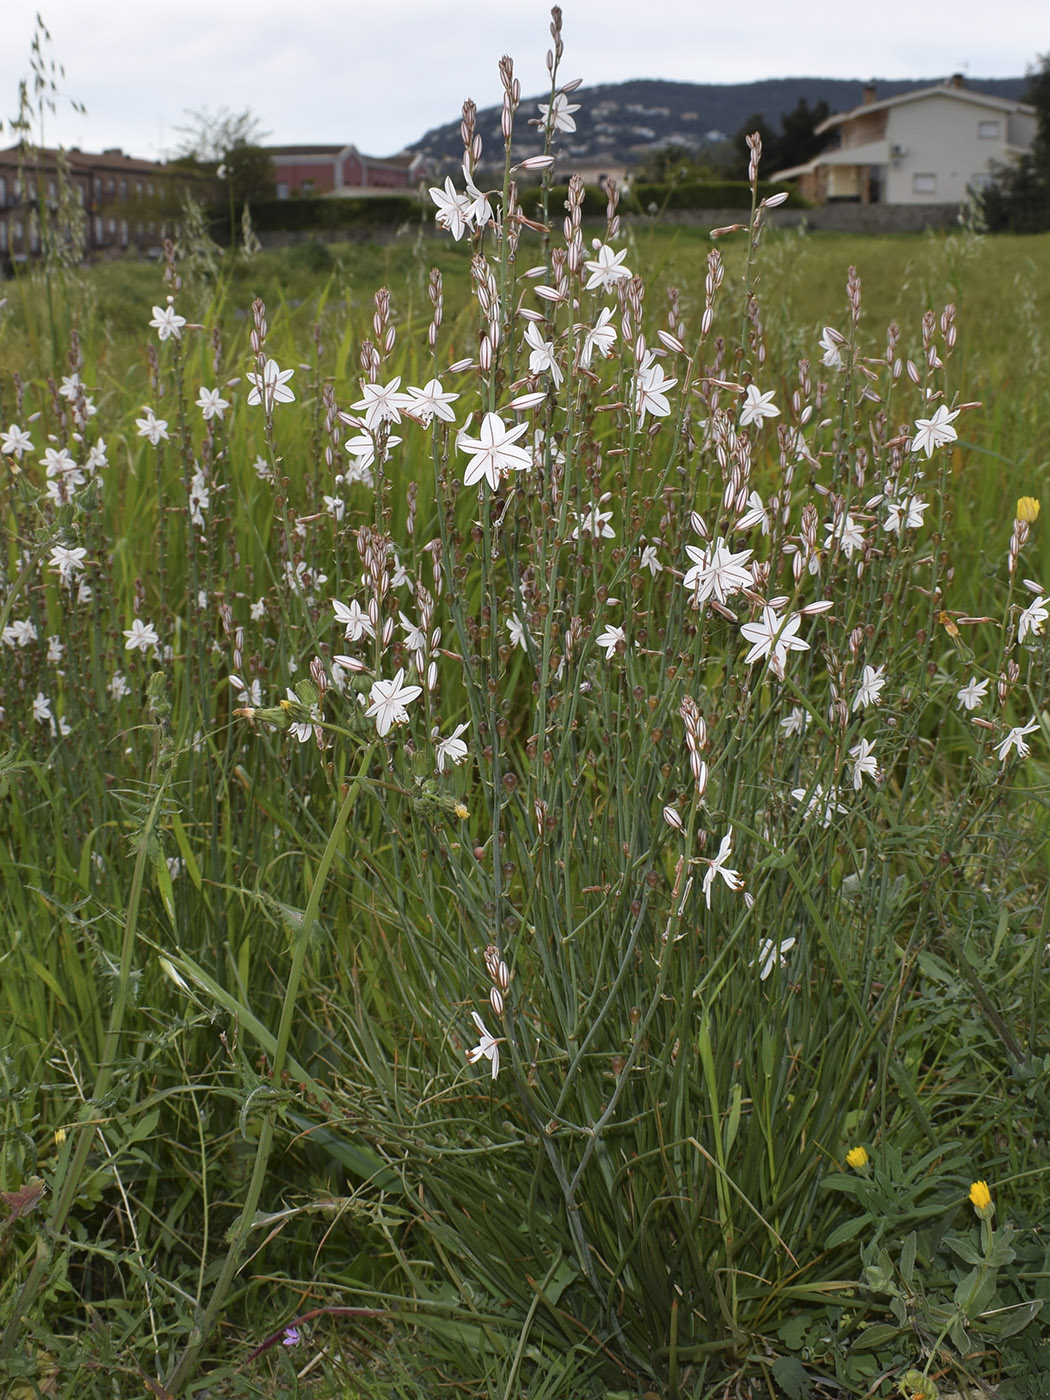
624	122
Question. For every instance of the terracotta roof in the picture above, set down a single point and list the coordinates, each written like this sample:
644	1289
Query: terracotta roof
962	94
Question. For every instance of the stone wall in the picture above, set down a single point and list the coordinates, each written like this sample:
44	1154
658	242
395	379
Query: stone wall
835	218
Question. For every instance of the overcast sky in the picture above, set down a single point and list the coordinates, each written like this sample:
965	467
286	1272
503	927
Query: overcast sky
379	73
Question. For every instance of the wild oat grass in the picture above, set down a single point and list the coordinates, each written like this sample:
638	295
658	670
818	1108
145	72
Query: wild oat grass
554	898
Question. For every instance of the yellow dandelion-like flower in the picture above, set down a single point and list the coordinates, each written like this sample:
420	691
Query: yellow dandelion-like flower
857	1158
981	1200
1027	509
461	811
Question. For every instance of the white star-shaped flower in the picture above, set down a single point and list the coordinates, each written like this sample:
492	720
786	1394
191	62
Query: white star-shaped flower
516	628
382	403
152	427
492	454
757	406
973	693
601	337
936	431
271	386
354	619
863	755
717	572
67	563
820	804
904	515
606	269
846	533
610	639
167	323
429	402
451	750
560	110
16	441
541	357
872	680
718	867
650	389
211	403
771	955
595	522
389	699
141	636
1032	619
831	343
773	636
455	210
1016	740
487	1047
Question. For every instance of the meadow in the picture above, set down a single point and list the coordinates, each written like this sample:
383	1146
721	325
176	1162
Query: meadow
524	846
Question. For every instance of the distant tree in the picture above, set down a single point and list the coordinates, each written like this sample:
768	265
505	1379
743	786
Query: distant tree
795	142
227	145
673	164
757	121
798	139
1019	201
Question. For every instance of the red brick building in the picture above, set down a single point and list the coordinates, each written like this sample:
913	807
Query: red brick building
314	170
127	203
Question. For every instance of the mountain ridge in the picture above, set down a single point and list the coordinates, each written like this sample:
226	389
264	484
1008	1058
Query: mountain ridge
624	122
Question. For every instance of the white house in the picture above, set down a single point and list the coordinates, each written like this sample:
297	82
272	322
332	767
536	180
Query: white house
929	146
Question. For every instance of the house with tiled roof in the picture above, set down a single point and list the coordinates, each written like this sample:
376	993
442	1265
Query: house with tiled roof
126	202
929	146
320	169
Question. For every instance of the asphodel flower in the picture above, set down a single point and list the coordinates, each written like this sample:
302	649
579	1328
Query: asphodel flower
1027	509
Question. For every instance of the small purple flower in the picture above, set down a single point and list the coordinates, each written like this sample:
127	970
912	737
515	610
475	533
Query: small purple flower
291	1337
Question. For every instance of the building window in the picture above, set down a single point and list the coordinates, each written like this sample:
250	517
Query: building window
17	187
112	229
111	187
98	231
52	190
124	190
149	188
3	190
19	230
138	189
924	184
3	237
282	189
988	131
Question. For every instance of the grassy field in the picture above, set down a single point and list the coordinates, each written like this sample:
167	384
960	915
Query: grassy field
551	912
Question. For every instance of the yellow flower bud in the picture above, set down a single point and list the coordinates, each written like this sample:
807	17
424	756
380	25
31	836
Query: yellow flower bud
856	1158
461	811
1027	509
981	1200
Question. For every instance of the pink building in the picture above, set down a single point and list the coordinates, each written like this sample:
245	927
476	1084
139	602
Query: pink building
311	170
